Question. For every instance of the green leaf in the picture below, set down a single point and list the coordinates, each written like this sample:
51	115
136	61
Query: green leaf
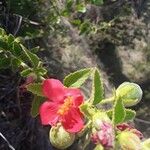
35	49
3	44
5	63
77	78
76	22
17	50
40	71
2	32
85	27
35	88
15	63
81	8
130	115
109	113
118	112
97	88
26	72
33	58
10	39
37	101
97	2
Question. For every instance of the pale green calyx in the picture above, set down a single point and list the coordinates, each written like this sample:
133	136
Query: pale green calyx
60	138
129	141
99	118
146	144
131	93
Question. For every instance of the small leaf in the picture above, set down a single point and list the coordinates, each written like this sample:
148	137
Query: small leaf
109	113
40	71
2	32
97	88
118	112
17	51
81	8
35	88
130	115
97	2
5	63
77	78
35	49
26	72
10	39
37	101
15	63
34	59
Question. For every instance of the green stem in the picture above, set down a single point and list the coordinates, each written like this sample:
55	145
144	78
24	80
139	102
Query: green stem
107	100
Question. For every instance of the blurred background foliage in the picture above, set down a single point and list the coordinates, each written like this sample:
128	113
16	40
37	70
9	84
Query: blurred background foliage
110	34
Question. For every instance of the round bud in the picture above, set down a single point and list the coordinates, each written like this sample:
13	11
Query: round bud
99	118
131	93
129	141
146	144
60	138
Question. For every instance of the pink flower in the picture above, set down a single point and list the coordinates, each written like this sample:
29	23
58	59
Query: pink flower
105	136
62	106
127	127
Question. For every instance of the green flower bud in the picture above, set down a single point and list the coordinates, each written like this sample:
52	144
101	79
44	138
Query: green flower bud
129	141
99	147
146	144
131	93
99	118
60	138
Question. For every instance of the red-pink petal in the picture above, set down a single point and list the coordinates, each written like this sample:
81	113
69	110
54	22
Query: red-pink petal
77	101
48	113
72	92
53	89
72	121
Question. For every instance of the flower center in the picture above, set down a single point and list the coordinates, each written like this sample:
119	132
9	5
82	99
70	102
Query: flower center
66	106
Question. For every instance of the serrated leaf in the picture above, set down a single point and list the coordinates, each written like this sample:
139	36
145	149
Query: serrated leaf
15	63
109	113
33	58
97	88
118	112
97	2
130	115
77	78
40	71
35	49
2	32
26	72
81	8
5	63
17	51
10	39
37	101
35	88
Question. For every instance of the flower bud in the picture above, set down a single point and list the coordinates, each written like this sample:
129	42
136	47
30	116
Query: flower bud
99	118
146	144
131	93
129	141
103	132
60	138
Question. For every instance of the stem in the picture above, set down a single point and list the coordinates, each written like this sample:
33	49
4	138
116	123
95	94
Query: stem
107	100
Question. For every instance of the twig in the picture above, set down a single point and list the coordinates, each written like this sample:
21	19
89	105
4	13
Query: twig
10	146
141	120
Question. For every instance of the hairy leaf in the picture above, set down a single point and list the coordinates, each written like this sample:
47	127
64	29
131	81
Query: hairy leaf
35	88
130	115
37	101
97	88
77	78
118	112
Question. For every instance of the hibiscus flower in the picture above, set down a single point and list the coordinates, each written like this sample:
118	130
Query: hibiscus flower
62	106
